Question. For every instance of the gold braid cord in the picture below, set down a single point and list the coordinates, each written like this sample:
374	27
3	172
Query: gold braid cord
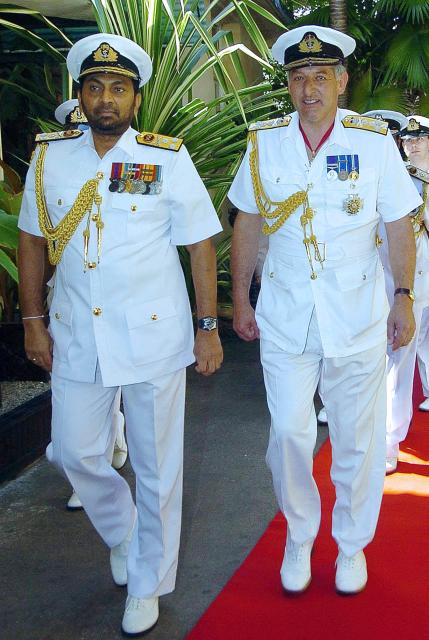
418	218
58	237
282	210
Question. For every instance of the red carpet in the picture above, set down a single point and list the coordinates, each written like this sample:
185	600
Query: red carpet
395	604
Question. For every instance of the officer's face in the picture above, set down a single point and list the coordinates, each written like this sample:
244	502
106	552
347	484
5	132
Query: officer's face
417	149
314	92
109	102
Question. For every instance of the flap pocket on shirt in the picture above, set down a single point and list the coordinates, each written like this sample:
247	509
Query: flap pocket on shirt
60	328
150	312
61	312
57	197
356	275
155	330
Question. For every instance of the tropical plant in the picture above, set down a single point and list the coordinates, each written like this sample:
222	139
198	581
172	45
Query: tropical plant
10	203
188	42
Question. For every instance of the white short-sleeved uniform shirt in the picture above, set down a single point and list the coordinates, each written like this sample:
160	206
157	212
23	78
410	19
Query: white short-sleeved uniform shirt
421	279
348	294
142	326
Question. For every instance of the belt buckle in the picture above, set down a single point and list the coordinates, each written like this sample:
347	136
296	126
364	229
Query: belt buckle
320	252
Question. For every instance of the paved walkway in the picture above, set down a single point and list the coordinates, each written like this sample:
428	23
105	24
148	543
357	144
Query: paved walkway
54	572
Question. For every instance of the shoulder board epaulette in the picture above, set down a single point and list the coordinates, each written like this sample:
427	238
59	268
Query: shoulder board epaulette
270	124
418	173
366	123
59	135
159	141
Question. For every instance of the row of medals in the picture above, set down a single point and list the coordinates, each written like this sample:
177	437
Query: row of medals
129	185
353	203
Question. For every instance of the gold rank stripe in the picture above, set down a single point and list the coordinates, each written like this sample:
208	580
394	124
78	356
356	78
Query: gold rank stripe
366	123
59	135
159	141
418	173
270	124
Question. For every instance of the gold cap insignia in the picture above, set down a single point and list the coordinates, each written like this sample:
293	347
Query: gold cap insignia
310	44
105	53
413	125
77	116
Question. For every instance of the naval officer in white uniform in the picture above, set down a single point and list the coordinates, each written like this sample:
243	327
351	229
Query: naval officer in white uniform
320	179
401	363
69	114
111	205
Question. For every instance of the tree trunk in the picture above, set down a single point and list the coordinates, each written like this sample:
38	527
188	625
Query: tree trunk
338	12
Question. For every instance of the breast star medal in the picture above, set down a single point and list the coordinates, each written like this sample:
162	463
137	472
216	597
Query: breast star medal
352	204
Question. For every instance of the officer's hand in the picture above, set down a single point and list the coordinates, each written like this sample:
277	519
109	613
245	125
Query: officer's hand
208	352
244	322
401	325
38	344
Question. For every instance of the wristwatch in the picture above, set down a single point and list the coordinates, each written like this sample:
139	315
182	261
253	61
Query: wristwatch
208	323
407	292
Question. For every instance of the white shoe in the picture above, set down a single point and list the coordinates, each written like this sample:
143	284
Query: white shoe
391	465
351	576
74	503
118	559
295	572
120	451
424	406
141	614
322	418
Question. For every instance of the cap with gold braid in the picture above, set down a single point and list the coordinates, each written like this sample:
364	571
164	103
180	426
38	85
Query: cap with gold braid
394	119
312	45
109	53
417	127
69	113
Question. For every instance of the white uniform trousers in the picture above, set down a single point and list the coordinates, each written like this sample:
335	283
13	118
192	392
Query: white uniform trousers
400	379
82	434
116	410
423	351
353	391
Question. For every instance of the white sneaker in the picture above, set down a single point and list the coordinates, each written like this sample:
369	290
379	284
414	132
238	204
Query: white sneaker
391	465
118	558
322	418
424	406
141	614
74	503
295	572
120	451
351	576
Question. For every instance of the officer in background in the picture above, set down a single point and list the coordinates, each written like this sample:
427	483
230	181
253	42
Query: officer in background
401	363
320	179
69	114
110	205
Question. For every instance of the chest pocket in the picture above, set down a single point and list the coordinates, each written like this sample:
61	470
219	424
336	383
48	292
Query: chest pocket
280	183
362	194
59	201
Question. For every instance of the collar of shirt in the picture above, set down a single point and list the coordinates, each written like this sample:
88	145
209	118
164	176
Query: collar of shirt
338	136
125	142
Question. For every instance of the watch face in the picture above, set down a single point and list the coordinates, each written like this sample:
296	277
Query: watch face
207	324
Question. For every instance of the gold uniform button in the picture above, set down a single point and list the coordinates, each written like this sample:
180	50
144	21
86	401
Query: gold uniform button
420	272
97	311
92	265
59	202
100	175
154	316
94	217
133	208
271	274
57	315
